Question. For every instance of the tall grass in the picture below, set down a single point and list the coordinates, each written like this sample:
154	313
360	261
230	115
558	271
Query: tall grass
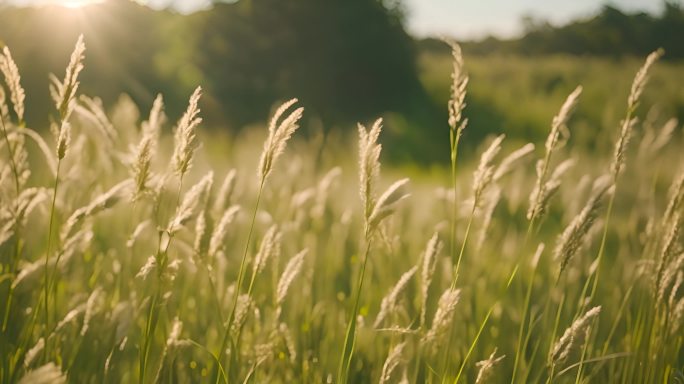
124	260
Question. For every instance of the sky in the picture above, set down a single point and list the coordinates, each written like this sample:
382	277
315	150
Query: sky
463	19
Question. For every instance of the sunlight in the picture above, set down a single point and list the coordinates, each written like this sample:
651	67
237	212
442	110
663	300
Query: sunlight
76	3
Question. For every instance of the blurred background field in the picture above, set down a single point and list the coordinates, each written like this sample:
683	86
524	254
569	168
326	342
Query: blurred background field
351	62
121	260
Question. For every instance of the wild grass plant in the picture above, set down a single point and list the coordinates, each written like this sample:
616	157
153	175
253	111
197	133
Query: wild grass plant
131	254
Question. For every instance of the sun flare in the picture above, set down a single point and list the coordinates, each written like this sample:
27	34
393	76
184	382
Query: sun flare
76	3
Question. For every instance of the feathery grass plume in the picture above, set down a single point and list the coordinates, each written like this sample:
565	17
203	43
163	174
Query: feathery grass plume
63	139
387	203
64	92
286	334
621	147
653	142
4	110
491	201
220	230
427	271
555	139
484	174
99	204
92	306
9	69
675	289
174	336
389	302
484	374
29	274
641	79
23	205
458	92
46	374
509	161
93	110
292	269
244	304
668	277
184	137
190	202
152	127
147	268
69	318
269	248
199	244
32	353
573	339
369	165
225	193
676	193
548	189
391	363
140	167
323	191
572	237
444	315
137	232
278	135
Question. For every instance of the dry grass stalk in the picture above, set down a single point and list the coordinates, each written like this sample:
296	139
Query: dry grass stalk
484	174
13	80
387	203
46	374
446	308
292	269
225	193
184	136
510	161
190	202
573	236
389	302
220	230
573	339
427	271
64	92
93	110
369	165
556	138
278	135
486	371
391	363
152	127
641	79
100	203
458	91
140	168
269	248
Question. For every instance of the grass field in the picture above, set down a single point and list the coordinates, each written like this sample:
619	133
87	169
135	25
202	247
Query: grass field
131	254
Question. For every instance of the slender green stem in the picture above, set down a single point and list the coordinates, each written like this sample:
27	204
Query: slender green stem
472	345
13	263
447	354
350	335
241	273
602	248
453	139
47	259
528	296
463	245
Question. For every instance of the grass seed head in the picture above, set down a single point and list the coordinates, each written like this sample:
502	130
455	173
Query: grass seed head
573	339
9	69
278	135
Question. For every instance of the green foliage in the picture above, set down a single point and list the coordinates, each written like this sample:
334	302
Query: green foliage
138	292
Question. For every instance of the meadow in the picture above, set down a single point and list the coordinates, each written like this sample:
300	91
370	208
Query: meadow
137	248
